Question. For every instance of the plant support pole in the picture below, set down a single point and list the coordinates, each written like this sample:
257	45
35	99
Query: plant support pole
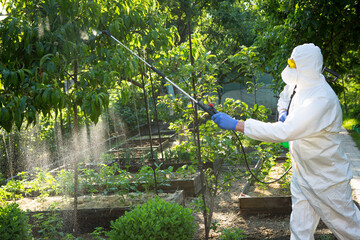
156	116
150	137
197	140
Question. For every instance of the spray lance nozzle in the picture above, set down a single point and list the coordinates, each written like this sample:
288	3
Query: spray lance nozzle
210	109
106	32
332	72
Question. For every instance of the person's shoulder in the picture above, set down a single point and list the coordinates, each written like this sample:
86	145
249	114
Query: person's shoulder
324	90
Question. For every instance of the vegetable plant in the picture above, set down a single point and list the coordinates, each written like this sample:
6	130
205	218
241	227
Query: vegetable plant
50	224
145	177
44	183
232	234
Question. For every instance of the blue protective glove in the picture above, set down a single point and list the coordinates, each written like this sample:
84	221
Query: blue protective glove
224	121
282	116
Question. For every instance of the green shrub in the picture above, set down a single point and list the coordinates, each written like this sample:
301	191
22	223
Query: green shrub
14	223
155	220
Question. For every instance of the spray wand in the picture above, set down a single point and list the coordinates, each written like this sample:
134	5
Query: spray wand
210	109
207	108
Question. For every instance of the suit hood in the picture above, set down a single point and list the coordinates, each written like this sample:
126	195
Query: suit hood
309	62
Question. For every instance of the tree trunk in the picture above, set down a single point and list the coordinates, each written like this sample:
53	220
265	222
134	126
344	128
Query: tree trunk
197	142
7	155
90	146
75	230
150	137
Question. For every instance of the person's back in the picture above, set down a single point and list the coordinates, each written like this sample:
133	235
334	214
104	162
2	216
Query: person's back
319	157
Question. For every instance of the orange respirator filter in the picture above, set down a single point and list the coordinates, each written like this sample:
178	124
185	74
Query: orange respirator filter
291	63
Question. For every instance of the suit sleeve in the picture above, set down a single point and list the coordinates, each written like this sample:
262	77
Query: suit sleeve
284	97
311	117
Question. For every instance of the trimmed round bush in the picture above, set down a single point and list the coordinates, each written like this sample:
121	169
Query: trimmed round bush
154	220
14	224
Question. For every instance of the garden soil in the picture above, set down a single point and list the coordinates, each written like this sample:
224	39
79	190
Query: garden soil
88	202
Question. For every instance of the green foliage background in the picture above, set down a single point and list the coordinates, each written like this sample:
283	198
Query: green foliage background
53	59
47	44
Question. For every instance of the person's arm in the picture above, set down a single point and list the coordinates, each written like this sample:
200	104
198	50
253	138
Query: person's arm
284	98
283	102
311	117
240	126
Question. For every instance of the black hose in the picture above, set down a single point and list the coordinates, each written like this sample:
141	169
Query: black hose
248	167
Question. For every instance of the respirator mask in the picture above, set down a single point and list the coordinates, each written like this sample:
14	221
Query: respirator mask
290	75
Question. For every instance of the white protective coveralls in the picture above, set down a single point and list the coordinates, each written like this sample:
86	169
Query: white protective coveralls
321	170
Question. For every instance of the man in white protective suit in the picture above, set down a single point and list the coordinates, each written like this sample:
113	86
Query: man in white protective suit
311	121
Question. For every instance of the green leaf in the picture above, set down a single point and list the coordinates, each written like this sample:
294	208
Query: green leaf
55	96
13	79
46	57
46	96
18	118
21	74
51	67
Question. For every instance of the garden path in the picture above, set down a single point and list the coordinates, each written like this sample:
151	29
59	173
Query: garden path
353	154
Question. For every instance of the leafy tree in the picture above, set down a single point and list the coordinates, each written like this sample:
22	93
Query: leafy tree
332	25
181	13
228	27
53	57
251	66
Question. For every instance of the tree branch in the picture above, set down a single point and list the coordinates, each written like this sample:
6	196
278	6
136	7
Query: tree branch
134	82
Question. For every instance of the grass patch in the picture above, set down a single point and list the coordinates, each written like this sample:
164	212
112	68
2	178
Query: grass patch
350	123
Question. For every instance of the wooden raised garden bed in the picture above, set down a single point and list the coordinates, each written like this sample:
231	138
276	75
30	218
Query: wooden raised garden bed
269	199
164	134
264	205
136	147
93	211
133	166
190	185
139	146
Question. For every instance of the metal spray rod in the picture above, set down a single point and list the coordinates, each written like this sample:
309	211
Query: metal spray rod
209	109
